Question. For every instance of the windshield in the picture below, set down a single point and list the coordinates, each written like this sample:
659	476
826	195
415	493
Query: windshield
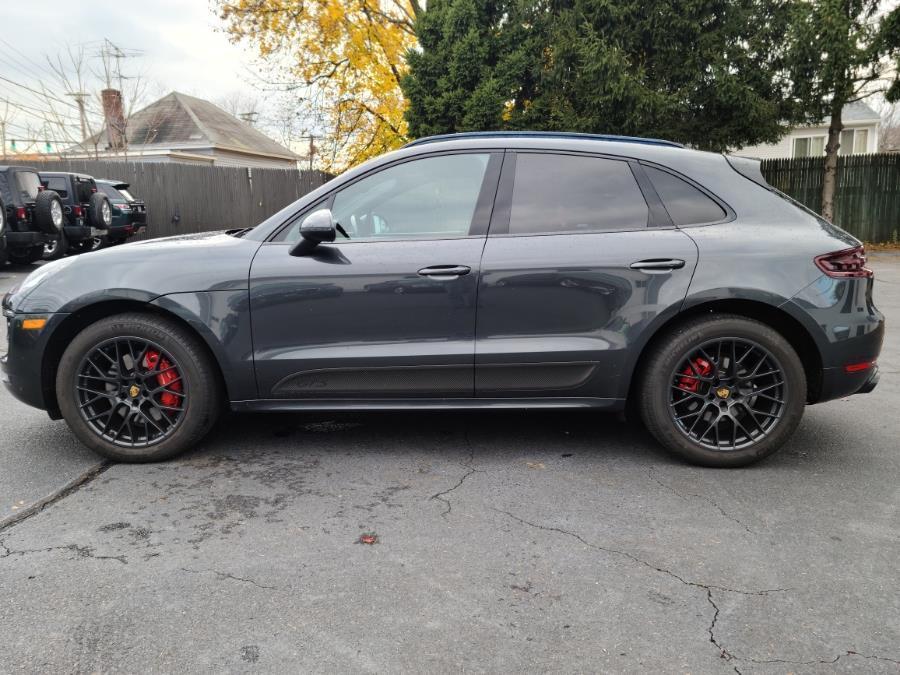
29	185
125	193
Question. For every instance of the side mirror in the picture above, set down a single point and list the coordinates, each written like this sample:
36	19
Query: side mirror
316	228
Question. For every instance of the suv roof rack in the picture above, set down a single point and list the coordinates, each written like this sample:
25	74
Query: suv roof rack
542	134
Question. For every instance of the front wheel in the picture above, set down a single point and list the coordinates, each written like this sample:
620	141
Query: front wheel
137	388
723	391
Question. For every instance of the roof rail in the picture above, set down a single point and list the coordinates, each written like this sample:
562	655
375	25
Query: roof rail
542	134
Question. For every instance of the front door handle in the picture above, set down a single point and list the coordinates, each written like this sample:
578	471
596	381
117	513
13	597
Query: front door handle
444	272
658	264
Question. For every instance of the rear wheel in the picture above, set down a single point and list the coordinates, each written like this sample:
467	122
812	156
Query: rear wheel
137	388
56	248
723	391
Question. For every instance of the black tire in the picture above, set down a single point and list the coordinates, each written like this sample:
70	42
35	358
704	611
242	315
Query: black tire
48	212
57	248
200	406
100	211
665	394
26	256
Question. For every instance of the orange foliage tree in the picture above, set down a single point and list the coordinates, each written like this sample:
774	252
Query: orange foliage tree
348	58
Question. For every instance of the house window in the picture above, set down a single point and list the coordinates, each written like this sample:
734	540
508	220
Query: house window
809	146
854	142
846	142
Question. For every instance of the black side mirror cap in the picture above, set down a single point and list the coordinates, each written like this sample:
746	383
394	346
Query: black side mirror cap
318	227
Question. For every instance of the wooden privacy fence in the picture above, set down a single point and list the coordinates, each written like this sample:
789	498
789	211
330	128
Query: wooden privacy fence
185	198
867	199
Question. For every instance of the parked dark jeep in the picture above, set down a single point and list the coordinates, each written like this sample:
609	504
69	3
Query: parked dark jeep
89	212
32	216
129	214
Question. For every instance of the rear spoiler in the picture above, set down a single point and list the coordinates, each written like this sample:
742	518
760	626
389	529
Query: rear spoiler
748	168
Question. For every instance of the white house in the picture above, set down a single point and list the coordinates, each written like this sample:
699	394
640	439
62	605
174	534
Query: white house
860	136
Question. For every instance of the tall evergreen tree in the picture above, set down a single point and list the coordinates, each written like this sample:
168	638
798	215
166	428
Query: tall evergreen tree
704	72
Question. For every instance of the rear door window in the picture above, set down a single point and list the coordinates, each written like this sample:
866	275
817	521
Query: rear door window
686	204
568	193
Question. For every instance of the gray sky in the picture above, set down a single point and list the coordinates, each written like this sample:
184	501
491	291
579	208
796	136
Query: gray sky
182	48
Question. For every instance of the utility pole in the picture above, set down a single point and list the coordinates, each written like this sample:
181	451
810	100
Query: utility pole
3	137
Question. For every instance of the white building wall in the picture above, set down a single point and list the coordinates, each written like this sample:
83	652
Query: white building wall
785	147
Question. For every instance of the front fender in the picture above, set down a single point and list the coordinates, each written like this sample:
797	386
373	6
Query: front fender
222	320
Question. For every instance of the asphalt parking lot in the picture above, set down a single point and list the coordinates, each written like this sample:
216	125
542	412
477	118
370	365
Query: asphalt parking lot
504	542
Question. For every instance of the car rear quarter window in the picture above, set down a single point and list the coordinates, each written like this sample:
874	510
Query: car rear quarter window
84	189
686	204
567	193
59	185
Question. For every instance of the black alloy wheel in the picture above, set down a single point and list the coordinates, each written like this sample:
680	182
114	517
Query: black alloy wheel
727	394
130	391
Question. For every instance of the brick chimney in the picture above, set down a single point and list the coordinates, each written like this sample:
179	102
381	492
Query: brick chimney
114	115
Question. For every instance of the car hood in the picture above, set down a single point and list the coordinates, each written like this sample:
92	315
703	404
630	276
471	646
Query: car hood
140	271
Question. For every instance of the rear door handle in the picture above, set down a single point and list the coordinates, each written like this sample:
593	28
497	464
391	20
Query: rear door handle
444	272
658	264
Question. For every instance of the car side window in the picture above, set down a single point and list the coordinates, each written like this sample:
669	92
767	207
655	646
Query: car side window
58	185
686	204
568	193
428	198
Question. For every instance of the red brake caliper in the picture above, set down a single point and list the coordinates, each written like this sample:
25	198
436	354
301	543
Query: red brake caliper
688	380
168	378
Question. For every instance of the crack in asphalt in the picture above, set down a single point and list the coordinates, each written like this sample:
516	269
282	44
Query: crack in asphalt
709	500
640	561
724	653
441	496
81	551
70	488
226	575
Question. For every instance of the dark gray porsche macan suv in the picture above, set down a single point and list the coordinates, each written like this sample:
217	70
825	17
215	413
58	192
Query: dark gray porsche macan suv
470	271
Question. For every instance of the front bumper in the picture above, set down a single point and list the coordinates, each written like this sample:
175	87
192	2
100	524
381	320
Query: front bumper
22	367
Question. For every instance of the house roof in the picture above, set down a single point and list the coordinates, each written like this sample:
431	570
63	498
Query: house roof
858	111
181	121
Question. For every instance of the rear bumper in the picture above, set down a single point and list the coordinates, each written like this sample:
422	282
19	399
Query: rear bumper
27	239
77	232
117	232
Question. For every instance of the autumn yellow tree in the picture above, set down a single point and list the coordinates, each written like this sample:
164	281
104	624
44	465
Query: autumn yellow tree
347	55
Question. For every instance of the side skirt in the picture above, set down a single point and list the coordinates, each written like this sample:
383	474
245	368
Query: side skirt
284	405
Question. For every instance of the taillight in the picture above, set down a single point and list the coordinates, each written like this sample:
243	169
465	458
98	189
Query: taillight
849	263
21	214
77	211
858	367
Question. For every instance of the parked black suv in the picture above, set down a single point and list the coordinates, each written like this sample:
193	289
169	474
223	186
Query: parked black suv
88	212
129	213
32	216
